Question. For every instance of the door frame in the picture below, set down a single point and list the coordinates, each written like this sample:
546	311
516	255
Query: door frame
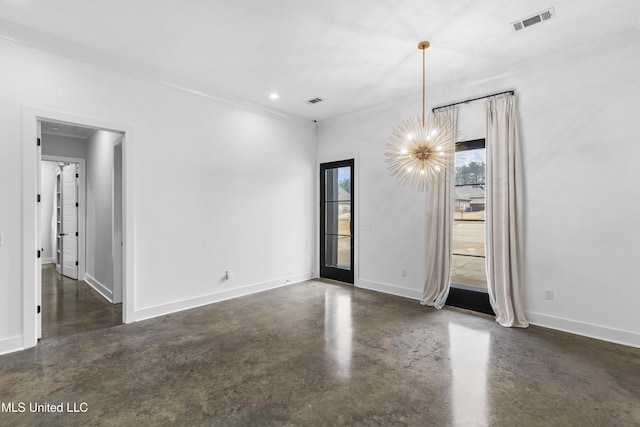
116	220
69	172
81	206
31	158
355	215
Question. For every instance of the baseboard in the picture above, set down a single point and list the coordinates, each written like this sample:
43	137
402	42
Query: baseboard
604	333
616	336
99	287
389	289
9	345
173	307
47	261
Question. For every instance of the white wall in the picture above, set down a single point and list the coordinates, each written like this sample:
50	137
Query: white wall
579	133
215	187
100	211
64	146
47	191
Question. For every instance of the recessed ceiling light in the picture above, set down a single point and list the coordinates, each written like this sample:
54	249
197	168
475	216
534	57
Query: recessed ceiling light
274	95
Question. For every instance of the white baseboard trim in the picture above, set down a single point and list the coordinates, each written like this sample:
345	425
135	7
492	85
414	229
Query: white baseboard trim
604	333
616	336
99	287
173	307
9	345
389	289
47	261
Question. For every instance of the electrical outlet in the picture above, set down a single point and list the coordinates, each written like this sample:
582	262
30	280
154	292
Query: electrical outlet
404	271
229	274
548	294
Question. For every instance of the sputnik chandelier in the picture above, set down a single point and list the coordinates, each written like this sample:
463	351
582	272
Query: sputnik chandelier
421	149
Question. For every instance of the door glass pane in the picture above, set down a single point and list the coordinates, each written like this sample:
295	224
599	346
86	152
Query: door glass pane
338	218
338	184
468	271
468	238
469	219
338	251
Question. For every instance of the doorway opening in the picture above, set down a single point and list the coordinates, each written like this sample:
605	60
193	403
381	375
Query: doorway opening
32	120
336	221
70	303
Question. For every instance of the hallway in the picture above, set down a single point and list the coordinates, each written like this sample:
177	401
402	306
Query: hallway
72	306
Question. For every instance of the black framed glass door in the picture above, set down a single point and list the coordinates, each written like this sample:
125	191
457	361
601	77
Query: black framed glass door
468	274
336	220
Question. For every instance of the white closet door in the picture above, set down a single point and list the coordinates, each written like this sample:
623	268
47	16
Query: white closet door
69	221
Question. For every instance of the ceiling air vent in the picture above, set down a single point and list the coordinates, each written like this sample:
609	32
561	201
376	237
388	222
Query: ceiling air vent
314	100
545	15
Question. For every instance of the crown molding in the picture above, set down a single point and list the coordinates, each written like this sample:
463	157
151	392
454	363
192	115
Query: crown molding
35	39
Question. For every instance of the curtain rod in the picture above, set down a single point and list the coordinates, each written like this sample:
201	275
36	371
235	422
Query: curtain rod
474	99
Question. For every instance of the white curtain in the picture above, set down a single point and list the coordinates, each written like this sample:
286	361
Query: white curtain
504	213
440	228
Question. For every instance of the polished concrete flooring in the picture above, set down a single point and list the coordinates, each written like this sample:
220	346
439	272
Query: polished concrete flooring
72	306
321	354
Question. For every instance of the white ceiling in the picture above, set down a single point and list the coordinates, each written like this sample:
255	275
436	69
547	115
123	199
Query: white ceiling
352	54
65	129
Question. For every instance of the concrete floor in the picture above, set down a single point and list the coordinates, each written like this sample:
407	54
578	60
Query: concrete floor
321	354
72	306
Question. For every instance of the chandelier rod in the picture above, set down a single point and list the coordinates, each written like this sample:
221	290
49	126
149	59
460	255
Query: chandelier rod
423	91
423	46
